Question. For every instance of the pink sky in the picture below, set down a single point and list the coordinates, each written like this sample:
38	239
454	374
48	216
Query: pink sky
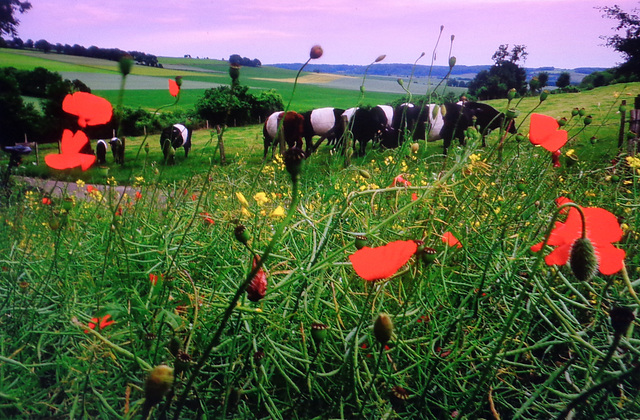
559	33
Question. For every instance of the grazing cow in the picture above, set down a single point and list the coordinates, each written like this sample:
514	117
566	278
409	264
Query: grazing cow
172	138
292	127
101	152
324	122
117	148
366	124
446	122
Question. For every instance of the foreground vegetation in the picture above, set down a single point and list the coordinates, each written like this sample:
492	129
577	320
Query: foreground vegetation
98	291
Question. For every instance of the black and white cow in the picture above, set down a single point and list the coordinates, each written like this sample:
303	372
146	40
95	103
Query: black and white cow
292	127
367	124
443	122
117	148
101	151
324	122
172	138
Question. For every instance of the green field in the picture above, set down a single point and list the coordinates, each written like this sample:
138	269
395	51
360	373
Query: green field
152	304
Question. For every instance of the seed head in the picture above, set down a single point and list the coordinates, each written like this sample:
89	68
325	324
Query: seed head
241	234
158	384
316	52
361	241
125	64
319	332
293	159
621	319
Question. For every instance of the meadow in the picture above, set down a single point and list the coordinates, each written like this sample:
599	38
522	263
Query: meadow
153	304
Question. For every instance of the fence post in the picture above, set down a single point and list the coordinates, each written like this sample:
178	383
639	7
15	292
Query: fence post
623	118
634	126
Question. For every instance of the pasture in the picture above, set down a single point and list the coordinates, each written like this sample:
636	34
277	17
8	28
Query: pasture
123	306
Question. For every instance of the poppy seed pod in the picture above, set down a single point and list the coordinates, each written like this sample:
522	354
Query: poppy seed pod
125	64
544	95
398	397
562	121
575	112
511	94
383	328
621	318
234	72
158	384
588	119
452	61
361	241
316	52
400	81
319	332
583	259
429	255
582	112
179	81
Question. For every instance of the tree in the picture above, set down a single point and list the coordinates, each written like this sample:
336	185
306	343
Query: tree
564	80
543	79
627	44
8	10
505	74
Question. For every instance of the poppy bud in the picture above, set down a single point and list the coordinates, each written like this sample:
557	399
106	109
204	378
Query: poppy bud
511	94
318	332
588	119
621	318
293	162
520	137
363	173
543	95
574	112
361	241
415	147
582	112
452	61
380	58
400	82
562	121
158	384
242	235
125	64
383	328
257	289
316	52
179	81
521	186
583	259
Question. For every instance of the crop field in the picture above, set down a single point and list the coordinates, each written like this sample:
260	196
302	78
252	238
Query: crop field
496	282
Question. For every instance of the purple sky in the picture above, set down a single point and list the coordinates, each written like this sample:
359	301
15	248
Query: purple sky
559	33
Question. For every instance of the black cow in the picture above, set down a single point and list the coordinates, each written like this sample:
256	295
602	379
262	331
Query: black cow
172	138
324	122
101	151
366	124
446	122
117	148
292	126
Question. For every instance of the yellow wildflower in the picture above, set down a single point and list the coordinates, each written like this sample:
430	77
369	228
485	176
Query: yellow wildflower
112	181
80	183
474	158
277	212
242	200
633	162
261	198
246	212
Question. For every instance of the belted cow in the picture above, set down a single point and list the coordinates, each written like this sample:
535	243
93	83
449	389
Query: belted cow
324	122
292	129
172	138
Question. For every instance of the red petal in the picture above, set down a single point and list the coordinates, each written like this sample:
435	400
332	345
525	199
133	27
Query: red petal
559	256
610	259
602	226
90	109
174	89
544	131
72	142
379	263
257	289
451	240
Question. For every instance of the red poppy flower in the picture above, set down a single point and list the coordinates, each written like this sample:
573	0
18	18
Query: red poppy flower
70	156
91	188
544	131
46	201
451	240
602	230
384	261
101	322
90	109
257	289
138	195
207	218
174	89
414	197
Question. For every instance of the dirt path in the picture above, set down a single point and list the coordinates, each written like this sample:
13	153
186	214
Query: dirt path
55	188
